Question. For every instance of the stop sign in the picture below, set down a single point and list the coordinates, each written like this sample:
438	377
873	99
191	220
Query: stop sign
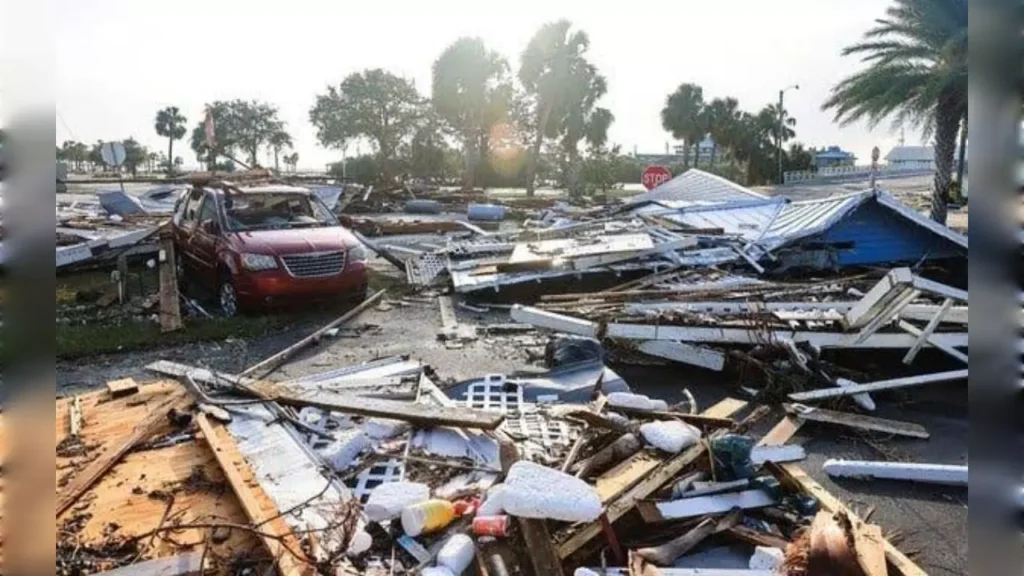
655	176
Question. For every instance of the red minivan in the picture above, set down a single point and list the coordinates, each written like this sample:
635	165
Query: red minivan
264	246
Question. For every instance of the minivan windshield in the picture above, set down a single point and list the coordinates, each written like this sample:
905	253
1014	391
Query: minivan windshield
275	210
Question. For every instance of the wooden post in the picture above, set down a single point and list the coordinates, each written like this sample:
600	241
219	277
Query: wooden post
170	306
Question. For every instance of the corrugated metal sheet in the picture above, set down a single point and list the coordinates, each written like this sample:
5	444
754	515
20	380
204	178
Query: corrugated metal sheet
700	186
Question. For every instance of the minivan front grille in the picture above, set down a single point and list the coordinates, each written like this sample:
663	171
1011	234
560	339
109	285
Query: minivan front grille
315	264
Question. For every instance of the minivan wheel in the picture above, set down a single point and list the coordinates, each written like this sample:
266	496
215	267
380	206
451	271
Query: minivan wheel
227	298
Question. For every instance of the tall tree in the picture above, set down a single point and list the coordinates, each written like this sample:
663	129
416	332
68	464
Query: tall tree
721	116
239	126
170	124
683	117
917	75
372	104
769	117
582	119
279	141
470	90
135	155
547	68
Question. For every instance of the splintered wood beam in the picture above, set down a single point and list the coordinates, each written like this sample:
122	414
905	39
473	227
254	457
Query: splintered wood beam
277	536
781	432
653	479
113	452
541	550
793	475
892	384
170	303
859	422
929	328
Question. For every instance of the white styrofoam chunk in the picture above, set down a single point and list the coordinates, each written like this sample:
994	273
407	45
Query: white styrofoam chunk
766	558
456	554
361	542
672	436
584	572
383	428
493	504
343	451
387	500
636	401
618	418
535	491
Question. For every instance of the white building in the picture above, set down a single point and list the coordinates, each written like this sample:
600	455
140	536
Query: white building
911	158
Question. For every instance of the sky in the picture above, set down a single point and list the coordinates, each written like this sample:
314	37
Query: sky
119	61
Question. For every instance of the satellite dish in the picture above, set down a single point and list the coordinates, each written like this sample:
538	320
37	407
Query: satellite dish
113	153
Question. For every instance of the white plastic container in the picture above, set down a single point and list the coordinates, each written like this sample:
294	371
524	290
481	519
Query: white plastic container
436	571
456	554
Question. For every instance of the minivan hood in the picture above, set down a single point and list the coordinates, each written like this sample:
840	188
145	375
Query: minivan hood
293	241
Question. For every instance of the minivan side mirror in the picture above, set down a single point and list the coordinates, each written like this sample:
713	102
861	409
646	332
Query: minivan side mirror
211	227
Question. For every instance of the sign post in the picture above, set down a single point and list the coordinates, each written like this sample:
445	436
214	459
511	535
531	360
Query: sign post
654	176
875	154
113	153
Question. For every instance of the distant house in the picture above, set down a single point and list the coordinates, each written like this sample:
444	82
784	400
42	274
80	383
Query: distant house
703	150
911	157
834	156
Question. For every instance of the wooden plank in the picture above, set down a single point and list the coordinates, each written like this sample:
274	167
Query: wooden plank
791	473
542	553
616	481
185	564
154	421
781	432
929	328
122	387
923	336
301	395
279	540
684	353
75	417
264	367
859	422
699	420
578	444
892	384
756	537
170	303
870	548
648	484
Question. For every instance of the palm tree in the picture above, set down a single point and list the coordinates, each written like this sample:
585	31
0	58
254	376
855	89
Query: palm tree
278	141
916	74
545	71
468	84
683	116
171	124
720	116
581	119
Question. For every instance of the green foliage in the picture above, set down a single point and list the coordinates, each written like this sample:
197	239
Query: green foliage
170	124
135	155
916	74
240	126
372	104
74	153
363	169
683	117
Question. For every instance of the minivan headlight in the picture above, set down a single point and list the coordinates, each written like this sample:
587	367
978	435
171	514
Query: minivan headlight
357	253
257	262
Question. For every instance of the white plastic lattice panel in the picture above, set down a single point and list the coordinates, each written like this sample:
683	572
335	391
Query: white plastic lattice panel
370	478
493	394
550	433
424	269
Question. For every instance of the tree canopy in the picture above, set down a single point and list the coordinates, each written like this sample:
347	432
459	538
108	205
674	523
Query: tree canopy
240	126
170	124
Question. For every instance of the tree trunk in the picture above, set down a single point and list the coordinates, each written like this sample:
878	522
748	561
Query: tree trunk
470	145
962	156
686	156
714	147
696	154
947	120
538	140
574	184
277	164
170	155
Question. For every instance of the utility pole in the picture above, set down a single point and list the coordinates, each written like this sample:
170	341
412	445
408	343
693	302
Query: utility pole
778	137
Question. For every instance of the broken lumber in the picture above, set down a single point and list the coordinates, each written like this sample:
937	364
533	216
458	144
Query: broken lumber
948	474
308	395
154	421
170	305
122	387
541	550
869	547
856	421
186	564
654	479
925	337
550	320
781	432
684	353
263	368
892	384
654	512
75	417
667	553
277	536
793	475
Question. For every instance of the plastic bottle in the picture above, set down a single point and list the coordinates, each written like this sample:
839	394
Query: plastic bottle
427	517
456	554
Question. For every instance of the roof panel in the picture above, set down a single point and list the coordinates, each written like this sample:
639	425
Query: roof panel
699	186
